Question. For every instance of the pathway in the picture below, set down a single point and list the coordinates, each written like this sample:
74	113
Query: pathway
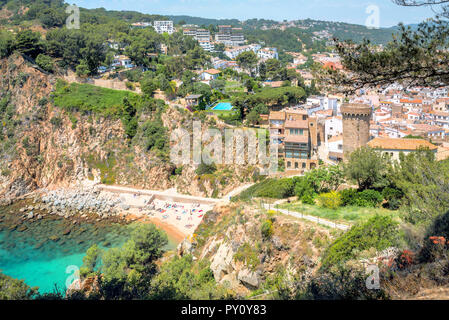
310	218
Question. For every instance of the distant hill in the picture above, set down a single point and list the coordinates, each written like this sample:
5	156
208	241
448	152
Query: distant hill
340	30
204	21
283	35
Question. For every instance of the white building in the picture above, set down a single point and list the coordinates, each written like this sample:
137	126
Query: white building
333	126
164	27
201	35
230	36
122	61
210	74
335	148
268	53
235	51
393	147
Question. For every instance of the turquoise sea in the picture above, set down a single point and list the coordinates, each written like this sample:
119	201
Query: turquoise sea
44	252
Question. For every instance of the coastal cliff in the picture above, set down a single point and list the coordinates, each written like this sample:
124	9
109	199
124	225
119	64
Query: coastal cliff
45	146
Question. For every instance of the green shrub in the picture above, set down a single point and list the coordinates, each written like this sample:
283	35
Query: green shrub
348	197
45	62
439	228
56	122
393	197
269	188
369	198
366	198
308	198
331	200
206	169
379	232
267	229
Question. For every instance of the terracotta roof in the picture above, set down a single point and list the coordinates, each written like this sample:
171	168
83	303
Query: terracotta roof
296	111
440	113
328	112
212	71
302	124
417	101
297	138
277	115
426	127
400	144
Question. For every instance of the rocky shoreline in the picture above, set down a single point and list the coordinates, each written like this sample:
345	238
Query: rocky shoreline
86	204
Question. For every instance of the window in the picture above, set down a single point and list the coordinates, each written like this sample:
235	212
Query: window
289	164
303	165
340	146
301	131
304	117
296	165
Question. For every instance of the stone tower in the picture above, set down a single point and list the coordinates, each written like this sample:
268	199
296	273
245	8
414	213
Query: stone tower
356	124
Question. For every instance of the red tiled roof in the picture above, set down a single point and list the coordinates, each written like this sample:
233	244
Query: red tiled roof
277	115
297	138
400	144
212	71
301	124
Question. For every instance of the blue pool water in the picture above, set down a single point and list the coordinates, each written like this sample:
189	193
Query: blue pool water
37	257
223	106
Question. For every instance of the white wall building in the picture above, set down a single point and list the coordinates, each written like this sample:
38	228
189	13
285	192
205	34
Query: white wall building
333	127
268	53
164	27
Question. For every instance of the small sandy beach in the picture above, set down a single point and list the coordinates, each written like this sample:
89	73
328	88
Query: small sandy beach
178	219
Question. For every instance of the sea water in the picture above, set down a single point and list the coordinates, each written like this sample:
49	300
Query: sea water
45	255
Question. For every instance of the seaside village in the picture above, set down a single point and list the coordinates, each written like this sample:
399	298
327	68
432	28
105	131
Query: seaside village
322	130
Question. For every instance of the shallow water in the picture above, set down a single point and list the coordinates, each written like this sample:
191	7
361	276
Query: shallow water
43	252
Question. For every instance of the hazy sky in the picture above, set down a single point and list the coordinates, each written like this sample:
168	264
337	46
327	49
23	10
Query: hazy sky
352	11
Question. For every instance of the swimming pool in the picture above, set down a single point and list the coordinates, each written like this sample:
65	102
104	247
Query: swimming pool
223	106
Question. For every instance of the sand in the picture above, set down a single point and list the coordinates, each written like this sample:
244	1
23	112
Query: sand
178	219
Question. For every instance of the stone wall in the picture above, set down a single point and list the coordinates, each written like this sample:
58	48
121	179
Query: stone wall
356	126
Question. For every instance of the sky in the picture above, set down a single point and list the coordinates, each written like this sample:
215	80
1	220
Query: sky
351	11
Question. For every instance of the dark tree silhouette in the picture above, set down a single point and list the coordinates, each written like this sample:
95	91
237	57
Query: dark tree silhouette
415	57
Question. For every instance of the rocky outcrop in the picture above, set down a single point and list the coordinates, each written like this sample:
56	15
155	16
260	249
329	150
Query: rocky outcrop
222	262
249	278
241	259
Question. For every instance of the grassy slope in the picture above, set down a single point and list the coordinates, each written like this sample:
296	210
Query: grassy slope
344	214
86	97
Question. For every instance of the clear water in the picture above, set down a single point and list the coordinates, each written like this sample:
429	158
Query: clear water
223	106
37	257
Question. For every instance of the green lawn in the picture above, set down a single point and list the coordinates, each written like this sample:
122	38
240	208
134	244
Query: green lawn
233	86
86	97
343	214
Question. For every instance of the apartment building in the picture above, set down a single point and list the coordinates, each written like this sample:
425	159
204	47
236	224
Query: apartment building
268	53
233	53
440	118
164	27
201	35
230	36
296	136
